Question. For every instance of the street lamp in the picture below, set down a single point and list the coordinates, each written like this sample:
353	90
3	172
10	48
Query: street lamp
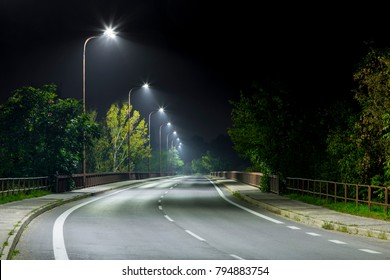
177	140
167	124
109	32
161	110
169	134
145	85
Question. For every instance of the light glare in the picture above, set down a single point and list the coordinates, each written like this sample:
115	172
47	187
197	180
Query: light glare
110	33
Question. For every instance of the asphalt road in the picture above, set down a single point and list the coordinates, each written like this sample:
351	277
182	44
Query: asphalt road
184	218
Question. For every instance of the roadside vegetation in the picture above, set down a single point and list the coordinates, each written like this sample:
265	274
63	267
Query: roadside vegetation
20	196
42	134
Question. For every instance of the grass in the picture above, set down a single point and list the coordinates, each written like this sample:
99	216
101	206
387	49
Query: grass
376	212
237	194
20	196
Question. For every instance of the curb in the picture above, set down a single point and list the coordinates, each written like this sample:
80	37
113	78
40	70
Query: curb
17	231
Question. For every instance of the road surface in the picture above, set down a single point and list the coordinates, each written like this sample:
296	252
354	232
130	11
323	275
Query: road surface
182	218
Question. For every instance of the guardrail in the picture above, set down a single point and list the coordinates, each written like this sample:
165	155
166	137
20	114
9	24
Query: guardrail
250	178
336	191
63	183
10	186
75	181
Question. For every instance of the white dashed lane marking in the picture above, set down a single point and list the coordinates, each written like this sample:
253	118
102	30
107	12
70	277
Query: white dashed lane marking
293	227
337	242
313	234
370	251
194	235
168	218
236	257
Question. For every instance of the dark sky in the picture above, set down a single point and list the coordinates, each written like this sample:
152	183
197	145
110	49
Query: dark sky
196	54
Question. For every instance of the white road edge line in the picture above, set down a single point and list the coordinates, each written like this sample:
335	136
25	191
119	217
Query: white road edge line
194	235
244	208
58	229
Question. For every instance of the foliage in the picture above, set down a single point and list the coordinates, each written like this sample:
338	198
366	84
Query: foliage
112	148
41	134
20	196
347	140
373	95
360	144
270	131
197	167
386	136
174	161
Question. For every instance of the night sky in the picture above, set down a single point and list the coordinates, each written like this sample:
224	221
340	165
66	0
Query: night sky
196	55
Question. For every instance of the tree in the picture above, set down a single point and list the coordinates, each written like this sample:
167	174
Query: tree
113	147
359	144
41	134
373	95
265	131
174	160
197	167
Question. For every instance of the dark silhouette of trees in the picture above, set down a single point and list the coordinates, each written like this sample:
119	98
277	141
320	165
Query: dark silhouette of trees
345	140
41	134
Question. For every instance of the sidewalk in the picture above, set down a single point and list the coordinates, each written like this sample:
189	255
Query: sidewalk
15	216
309	214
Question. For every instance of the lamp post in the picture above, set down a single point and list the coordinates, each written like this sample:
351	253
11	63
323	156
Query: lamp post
145	85
161	110
109	32
167	124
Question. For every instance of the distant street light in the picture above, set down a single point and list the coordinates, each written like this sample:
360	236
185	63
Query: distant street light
161	110
109	32
169	134
167	124
145	85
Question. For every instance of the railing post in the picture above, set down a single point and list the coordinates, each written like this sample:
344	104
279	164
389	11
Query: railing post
386	200
345	193
369	198
327	192
357	195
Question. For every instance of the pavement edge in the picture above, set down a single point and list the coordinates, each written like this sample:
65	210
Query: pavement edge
17	231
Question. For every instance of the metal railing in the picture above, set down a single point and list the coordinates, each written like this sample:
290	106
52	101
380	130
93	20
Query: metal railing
328	190
63	183
75	181
10	186
346	192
